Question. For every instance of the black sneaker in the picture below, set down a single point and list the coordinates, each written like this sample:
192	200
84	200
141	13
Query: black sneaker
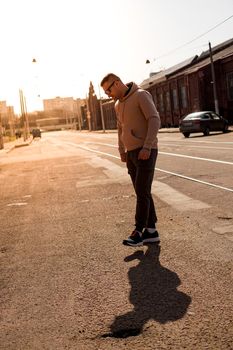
148	237
134	240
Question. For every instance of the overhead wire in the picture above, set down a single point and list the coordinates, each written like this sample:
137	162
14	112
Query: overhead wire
196	38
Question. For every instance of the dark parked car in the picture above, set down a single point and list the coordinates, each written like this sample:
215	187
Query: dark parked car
205	122
36	133
18	134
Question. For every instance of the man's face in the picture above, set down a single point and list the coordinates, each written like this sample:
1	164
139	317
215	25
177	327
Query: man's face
110	89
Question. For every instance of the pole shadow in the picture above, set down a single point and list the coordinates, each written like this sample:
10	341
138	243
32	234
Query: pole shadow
153	294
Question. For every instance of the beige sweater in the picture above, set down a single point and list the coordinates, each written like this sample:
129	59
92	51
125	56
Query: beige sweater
138	120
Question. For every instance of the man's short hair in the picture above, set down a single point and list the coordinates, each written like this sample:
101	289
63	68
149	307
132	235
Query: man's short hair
109	76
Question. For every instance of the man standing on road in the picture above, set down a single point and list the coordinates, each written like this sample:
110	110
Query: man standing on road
138	124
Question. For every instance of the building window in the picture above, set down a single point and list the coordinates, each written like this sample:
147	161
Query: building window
168	103
183	93
175	98
161	105
230	86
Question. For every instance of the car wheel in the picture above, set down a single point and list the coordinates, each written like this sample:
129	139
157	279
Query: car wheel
186	134
206	132
225	129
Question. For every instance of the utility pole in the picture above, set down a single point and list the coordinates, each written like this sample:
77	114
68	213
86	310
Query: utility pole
26	116
1	134
23	114
101	112
11	122
88	113
213	81
79	119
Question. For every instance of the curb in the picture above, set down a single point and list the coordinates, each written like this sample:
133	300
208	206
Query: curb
169	131
26	143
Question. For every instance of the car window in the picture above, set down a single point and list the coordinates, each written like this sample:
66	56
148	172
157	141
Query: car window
190	117
205	116
214	116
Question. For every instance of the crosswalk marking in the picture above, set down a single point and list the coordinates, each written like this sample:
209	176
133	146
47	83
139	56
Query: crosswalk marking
116	173
175	198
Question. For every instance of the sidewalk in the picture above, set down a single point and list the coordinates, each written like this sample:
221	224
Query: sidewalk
9	146
168	130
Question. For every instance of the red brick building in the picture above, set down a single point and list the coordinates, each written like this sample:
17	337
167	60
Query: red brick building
188	87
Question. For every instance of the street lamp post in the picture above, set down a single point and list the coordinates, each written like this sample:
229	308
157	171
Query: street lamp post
213	81
36	87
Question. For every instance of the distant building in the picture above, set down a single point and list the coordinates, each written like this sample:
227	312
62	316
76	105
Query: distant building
7	118
3	107
61	113
59	103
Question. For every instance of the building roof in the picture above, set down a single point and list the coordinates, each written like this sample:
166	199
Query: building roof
216	57
164	74
216	49
191	65
157	78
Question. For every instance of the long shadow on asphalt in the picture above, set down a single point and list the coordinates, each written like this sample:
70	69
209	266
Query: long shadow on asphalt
154	295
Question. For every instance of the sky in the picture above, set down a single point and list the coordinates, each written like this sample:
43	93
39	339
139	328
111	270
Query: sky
75	42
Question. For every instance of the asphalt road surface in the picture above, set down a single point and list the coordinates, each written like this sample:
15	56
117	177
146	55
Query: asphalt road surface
66	280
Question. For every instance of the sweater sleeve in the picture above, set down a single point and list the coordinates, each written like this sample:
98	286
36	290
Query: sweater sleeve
152	131
151	114
121	147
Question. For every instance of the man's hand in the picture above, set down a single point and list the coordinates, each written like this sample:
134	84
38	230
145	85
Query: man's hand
123	157
144	154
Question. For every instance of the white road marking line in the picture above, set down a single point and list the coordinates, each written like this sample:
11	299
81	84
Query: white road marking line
223	229
173	154
102	144
191	146
166	193
198	158
111	173
92	150
164	171
112	170
195	180
16	204
170	144
197	141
